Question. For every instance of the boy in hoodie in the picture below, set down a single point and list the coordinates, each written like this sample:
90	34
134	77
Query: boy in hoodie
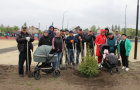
100	39
51	33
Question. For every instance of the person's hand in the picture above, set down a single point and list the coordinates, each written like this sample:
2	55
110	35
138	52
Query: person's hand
81	40
53	48
118	52
28	39
79	37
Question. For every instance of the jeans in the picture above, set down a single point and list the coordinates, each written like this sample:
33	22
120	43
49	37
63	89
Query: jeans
22	58
71	55
57	64
77	57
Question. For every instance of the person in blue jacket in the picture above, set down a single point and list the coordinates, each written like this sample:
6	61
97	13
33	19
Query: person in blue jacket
111	41
70	42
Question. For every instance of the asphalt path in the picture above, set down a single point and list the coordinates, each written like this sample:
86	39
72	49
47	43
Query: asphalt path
5	50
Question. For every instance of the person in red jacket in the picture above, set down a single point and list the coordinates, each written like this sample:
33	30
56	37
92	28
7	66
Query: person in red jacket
100	39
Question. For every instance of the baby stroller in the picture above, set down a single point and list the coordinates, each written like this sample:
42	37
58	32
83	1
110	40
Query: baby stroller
110	62
42	55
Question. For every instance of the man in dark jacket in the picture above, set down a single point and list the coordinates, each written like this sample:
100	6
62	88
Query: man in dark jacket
22	38
80	45
90	38
62	35
70	41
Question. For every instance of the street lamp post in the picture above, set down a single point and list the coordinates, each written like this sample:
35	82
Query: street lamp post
68	23
38	31
63	19
125	20
136	38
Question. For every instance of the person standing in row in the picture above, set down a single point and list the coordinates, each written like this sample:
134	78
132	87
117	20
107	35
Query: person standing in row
124	48
118	37
62	35
90	38
70	41
55	29
51	33
22	39
58	47
111	41
100	39
80	45
106	32
45	40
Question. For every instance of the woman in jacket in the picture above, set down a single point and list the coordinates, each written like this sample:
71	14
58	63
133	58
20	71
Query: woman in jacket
124	48
100	39
58	47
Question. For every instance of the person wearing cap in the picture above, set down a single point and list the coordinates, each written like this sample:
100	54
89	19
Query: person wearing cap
81	38
106	32
118	37
22	39
66	33
111	41
90	38
70	41
124	48
62	35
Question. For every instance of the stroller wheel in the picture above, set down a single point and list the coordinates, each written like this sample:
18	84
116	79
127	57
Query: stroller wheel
56	73
111	72
36	75
117	71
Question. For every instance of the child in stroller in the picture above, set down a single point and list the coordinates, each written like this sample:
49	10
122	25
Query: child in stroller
110	60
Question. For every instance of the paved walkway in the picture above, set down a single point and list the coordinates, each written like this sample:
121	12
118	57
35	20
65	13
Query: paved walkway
9	49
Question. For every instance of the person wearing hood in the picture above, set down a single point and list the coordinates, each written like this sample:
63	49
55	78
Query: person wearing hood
51	32
81	38
106	32
45	40
90	38
111	41
100	39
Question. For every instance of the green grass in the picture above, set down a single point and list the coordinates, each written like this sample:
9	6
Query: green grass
21	83
51	79
38	89
29	83
15	72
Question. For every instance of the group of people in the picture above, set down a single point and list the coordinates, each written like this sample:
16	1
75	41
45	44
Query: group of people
65	41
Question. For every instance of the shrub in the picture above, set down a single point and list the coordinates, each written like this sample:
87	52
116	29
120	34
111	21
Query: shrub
89	66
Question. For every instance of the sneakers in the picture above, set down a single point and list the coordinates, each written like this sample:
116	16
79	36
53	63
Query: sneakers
123	67
127	69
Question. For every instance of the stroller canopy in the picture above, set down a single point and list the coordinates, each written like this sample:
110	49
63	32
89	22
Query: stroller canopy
43	51
104	46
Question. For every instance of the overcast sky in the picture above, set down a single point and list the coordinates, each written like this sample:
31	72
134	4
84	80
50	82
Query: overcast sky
83	13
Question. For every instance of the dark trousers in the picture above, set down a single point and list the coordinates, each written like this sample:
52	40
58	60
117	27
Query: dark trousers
22	58
61	58
124	59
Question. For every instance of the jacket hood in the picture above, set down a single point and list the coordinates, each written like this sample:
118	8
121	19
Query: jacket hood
49	28
101	31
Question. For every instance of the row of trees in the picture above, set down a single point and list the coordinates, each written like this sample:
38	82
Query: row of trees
129	31
8	28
